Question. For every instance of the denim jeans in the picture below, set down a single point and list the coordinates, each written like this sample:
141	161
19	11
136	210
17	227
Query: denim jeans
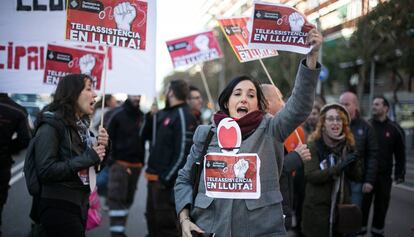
356	193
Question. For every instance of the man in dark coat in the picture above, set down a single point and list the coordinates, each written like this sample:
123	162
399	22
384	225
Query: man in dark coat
14	136
367	148
391	141
127	159
171	142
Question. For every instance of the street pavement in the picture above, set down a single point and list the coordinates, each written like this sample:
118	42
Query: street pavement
16	221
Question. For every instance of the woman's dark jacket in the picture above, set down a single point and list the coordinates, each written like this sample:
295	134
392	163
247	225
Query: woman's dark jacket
58	160
319	187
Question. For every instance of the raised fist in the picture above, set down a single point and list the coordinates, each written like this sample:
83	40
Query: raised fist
86	63
296	22
240	168
124	14
201	42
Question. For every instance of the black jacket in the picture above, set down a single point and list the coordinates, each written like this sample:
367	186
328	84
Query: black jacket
58	160
13	118
367	149
124	125
171	143
391	141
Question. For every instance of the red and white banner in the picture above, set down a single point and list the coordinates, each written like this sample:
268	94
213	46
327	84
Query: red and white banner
194	49
61	61
114	23
237	34
29	26
279	27
234	176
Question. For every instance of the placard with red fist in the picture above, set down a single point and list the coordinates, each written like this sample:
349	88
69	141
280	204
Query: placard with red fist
61	61
237	34
194	49
232	176
115	23
280	27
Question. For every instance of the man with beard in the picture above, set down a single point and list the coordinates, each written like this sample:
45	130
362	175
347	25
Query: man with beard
127	159
391	144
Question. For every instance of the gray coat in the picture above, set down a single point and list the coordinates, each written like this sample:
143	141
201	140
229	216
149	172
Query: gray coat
253	217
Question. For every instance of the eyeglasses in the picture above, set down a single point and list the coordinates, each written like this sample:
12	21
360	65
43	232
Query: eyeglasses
333	119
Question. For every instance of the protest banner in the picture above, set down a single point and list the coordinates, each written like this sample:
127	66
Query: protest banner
114	23
23	50
194	49
61	61
234	176
237	34
280	27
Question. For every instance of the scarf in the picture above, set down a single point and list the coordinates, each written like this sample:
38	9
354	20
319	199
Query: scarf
83	131
247	123
87	176
331	141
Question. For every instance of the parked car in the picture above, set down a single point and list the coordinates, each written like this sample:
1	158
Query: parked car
33	104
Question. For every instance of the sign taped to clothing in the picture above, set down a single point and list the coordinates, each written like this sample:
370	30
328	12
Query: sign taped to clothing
232	176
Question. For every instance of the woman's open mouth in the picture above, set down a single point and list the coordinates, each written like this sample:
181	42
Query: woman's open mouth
242	111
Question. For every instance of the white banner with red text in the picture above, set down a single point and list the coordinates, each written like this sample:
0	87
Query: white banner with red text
28	26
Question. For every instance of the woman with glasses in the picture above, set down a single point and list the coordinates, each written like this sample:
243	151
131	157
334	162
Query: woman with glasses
332	148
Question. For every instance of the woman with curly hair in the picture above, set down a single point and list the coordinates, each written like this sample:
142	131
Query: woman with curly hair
332	147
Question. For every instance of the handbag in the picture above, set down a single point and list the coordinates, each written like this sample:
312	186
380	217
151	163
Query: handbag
197	167
348	217
94	211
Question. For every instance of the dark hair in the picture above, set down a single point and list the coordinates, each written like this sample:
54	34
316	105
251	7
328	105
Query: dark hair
384	100
320	99
180	89
226	93
192	88
66	97
107	99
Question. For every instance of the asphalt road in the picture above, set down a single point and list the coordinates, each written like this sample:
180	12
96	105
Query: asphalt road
16	221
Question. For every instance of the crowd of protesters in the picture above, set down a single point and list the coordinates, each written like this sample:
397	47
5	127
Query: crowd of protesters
313	157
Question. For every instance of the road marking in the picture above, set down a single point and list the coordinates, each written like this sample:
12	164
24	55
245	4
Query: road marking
17	167
16	178
403	186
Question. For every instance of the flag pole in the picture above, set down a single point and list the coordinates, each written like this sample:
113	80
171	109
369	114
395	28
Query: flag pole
104	83
267	73
271	81
203	78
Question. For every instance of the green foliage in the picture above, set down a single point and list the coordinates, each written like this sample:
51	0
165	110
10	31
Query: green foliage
384	34
335	52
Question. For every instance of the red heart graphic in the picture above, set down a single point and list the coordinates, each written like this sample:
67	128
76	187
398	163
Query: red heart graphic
228	137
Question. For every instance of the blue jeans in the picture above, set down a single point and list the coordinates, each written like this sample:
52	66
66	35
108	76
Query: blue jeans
356	193
356	197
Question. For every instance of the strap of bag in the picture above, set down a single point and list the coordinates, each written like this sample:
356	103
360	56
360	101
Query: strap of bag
198	165
342	188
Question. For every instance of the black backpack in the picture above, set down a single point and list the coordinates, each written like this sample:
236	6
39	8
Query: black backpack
30	171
